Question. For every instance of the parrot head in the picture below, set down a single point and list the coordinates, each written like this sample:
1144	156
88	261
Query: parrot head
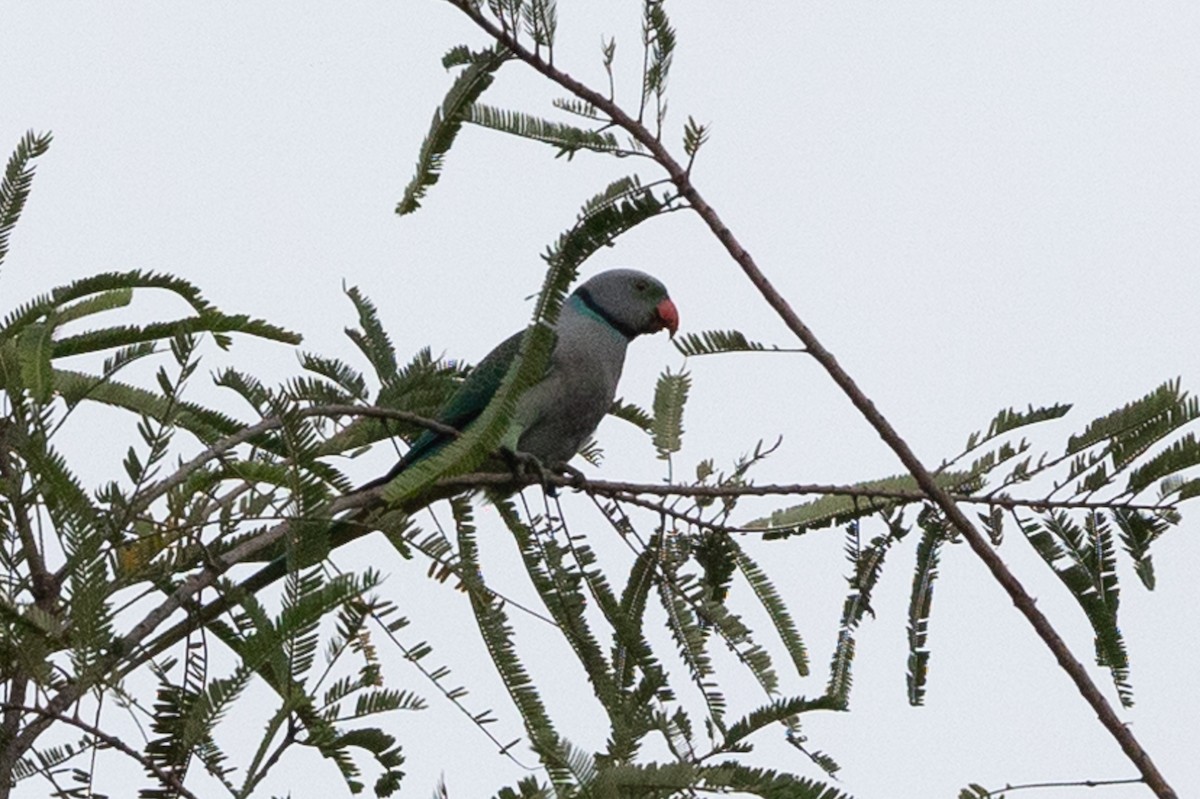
631	301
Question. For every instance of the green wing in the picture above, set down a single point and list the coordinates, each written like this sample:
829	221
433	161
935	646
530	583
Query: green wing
465	405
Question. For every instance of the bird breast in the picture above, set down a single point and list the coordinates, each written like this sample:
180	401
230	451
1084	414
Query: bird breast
558	414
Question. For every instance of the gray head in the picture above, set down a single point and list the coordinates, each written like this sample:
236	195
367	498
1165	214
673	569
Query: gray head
631	301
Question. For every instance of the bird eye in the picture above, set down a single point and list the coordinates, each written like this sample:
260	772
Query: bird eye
641	285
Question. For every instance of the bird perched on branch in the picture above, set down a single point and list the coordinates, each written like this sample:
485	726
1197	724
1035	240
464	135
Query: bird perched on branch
555	416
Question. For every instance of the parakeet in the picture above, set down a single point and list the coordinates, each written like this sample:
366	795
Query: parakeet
556	415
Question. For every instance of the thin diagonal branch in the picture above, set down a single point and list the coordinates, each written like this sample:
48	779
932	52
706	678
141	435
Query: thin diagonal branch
978	543
271	423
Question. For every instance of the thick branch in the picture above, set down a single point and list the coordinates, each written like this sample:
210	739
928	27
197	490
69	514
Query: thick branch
978	543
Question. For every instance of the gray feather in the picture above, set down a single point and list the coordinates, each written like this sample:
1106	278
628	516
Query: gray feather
597	322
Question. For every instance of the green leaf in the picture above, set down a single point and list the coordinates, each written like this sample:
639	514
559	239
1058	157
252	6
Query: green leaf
779	710
1008	419
920	604
567	139
620	189
635	415
743	779
541	21
659	39
105	301
1089	574
34	346
18	179
714	342
448	120
670	395
867	563
840	509
1159	401
1138	531
373	340
497	635
776	609
214	322
694	137
1182	454
603	218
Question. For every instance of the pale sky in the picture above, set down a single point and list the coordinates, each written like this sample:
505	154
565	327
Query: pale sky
973	205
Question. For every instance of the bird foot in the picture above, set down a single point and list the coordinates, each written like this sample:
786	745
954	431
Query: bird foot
577	479
523	464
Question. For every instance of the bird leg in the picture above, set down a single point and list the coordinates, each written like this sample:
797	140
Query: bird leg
522	464
577	478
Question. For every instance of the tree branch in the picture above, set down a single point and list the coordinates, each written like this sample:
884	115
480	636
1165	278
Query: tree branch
978	543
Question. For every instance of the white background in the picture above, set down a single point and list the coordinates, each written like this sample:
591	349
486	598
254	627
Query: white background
973	205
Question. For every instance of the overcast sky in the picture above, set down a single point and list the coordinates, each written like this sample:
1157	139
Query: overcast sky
974	205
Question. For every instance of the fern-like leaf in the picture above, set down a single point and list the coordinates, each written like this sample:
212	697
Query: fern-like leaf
448	120
497	635
1183	453
1138	531
920	604
566	139
1089	573
1160	400
372	340
841	509
635	415
714	342
18	178
768	596
670	395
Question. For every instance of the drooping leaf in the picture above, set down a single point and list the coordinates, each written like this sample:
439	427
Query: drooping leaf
670	395
1084	560
920	603
448	120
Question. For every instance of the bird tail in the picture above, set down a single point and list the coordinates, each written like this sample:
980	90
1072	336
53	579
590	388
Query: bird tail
400	466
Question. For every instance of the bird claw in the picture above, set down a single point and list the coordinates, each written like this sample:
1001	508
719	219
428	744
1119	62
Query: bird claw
523	464
576	478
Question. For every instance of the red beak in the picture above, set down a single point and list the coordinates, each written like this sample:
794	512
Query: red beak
668	315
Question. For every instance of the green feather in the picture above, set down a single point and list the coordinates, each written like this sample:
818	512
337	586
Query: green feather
470	399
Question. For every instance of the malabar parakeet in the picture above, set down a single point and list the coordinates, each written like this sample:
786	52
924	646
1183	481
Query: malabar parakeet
555	416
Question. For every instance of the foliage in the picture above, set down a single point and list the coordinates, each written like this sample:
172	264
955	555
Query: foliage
1070	509
133	579
80	565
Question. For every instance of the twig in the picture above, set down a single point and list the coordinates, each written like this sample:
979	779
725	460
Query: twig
616	488
1074	784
